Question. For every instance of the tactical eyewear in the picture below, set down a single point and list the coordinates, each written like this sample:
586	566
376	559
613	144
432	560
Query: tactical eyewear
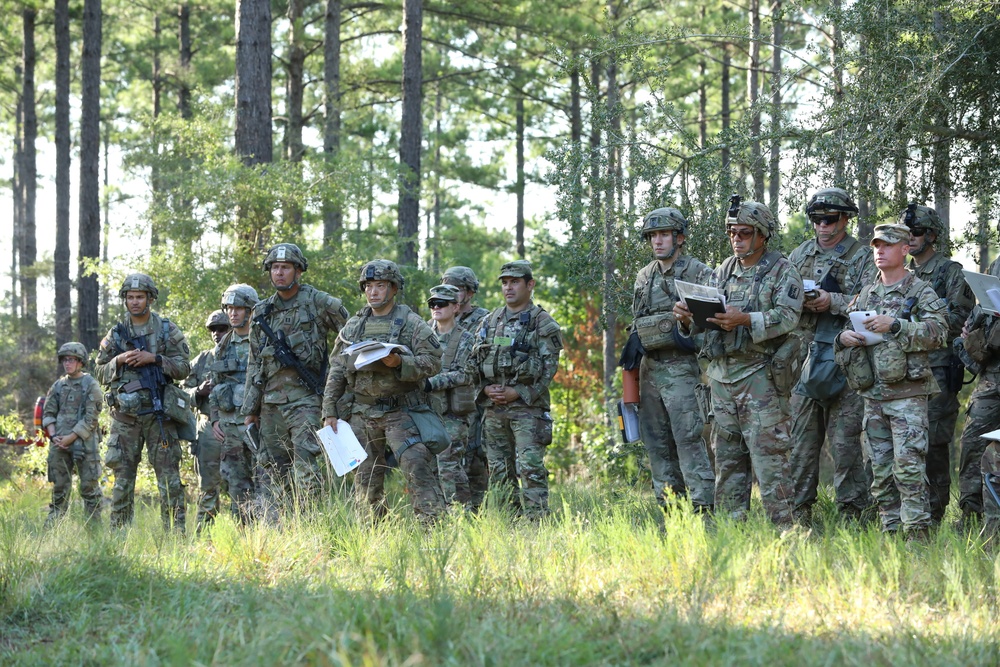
918	231
829	219
743	234
438	304
219	328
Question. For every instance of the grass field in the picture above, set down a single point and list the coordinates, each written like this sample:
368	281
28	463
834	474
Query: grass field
608	580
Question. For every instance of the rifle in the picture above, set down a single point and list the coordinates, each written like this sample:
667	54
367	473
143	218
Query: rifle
285	356
151	378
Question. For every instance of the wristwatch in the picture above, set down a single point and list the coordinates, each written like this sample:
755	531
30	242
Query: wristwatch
895	327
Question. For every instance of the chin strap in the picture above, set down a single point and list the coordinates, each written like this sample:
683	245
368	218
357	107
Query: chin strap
751	253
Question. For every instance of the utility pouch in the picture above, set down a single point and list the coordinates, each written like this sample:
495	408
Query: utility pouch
224	397
656	332
432	431
129	402
462	400
856	366
821	378
889	361
975	345
786	365
177	407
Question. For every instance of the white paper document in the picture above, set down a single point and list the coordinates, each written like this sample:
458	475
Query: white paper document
992	435
342	448
986	288
368	351
699	292
857	322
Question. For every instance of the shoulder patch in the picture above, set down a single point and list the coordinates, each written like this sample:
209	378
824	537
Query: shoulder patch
434	341
793	291
937	304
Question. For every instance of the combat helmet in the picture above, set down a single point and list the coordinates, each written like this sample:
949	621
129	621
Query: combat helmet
751	213
916	216
666	219
461	276
217	319
72	349
138	282
240	295
285	252
831	200
381	269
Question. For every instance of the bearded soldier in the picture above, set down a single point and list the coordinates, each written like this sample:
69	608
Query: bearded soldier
285	371
384	400
751	365
138	360
670	422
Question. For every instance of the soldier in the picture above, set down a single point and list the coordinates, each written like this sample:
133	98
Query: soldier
751	365
228	375
948	282
823	407
383	401
894	378
70	420
670	422
206	449
469	316
452	392
138	353
517	355
284	385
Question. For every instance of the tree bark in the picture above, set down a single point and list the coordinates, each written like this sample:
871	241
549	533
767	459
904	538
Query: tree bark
838	92
576	141
333	211
519	165
774	182
90	146
725	113
155	179
612	173
63	296
28	173
184	78
410	131
294	93
753	96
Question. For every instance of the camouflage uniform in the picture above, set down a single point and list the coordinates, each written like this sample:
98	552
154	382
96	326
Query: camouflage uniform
519	350
948	282
669	419
842	270
130	432
72	405
228	372
895	421
378	402
982	415
290	412
206	449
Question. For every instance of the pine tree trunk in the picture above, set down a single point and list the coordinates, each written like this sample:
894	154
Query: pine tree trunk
774	182
725	113
294	87
333	211
610	201
90	156
410	132
753	96
63	296
184	42
519	166
28	174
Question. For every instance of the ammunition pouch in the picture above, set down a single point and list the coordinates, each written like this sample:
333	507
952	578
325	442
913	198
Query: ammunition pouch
975	345
786	364
128	402
857	367
656	332
229	396
462	400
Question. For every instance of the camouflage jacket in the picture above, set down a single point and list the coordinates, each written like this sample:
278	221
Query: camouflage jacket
771	292
520	350
199	373
471	319
946	279
376	389
73	404
228	371
984	323
162	338
457	371
654	290
926	330
849	263
307	319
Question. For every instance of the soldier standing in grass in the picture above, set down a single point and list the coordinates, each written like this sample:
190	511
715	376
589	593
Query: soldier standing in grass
384	401
206	449
823	407
751	365
134	423
946	278
669	419
70	420
895	379
517	355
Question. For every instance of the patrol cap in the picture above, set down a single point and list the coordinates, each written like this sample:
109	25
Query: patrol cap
217	319
443	293
891	234
462	276
73	349
285	252
519	268
138	282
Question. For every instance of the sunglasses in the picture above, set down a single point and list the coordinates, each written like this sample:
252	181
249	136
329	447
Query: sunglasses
438	304
218	329
743	234
829	219
918	231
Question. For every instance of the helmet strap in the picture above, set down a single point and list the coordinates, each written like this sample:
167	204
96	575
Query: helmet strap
750	253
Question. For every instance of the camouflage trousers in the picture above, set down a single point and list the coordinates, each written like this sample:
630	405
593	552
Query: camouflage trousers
671	427
477	468
942	415
838	423
751	435
515	438
236	466
60	468
895	441
379	436
990	464
982	416
450	462
207	452
291	463
125	444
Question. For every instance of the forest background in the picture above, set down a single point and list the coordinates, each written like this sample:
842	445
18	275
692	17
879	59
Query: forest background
195	134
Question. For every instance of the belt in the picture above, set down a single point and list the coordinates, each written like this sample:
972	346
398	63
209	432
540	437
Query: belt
386	403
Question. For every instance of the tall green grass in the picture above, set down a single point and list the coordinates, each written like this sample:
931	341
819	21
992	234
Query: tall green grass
608	579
